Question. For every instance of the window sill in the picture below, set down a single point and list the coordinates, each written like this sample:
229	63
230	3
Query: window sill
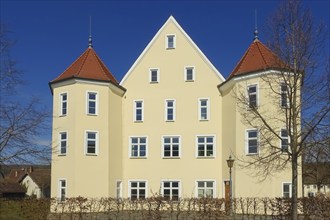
171	157
61	155
138	121
170	48
91	155
191	80
138	158
252	154
61	116
170	121
205	157
154	82
201	120
91	114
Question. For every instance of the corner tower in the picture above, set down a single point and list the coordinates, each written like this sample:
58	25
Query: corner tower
87	129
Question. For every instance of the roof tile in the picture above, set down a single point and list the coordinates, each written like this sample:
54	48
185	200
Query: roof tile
87	66
258	57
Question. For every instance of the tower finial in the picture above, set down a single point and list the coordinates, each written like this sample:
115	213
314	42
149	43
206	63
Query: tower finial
90	45
255	25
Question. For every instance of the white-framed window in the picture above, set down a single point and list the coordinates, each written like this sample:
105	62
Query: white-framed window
169	110
92	103
189	73
171	189
205	146
286	190
138	147
62	193
252	141
91	143
63	143
171	147
205	188
137	189
154	75
284	95
63	104
284	140
252	96
204	109
119	189
138	110
170	41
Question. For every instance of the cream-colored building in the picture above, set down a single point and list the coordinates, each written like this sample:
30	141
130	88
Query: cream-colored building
167	128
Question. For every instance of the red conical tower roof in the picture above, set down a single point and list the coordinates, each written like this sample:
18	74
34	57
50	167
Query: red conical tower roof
87	66
258	57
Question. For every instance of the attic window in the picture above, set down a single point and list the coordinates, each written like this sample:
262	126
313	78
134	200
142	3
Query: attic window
170	41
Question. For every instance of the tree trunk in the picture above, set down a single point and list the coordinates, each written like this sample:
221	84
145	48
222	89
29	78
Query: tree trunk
294	198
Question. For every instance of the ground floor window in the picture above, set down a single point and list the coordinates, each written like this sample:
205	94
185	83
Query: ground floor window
62	190
171	190
137	189
286	190
205	189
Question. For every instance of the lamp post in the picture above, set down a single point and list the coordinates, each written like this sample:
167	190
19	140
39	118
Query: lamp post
230	163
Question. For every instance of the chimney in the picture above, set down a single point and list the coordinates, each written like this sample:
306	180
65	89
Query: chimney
30	169
16	172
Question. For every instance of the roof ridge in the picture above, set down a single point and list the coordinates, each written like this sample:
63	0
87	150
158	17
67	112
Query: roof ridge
262	54
82	64
103	67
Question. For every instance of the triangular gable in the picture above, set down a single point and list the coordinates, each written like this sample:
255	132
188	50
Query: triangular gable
171	19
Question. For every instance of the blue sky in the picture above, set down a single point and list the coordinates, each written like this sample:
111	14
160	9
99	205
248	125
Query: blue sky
52	34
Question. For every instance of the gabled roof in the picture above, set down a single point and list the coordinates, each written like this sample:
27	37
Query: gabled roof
88	66
40	176
258	57
171	19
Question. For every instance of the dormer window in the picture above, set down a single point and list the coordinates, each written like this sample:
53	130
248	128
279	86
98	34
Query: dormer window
170	41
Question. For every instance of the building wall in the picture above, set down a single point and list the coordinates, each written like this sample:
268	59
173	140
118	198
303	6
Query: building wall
248	181
86	175
172	85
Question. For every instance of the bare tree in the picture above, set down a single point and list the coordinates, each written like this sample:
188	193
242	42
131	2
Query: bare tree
299	89
21	121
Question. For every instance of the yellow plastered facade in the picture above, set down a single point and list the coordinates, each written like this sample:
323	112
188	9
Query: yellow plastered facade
110	172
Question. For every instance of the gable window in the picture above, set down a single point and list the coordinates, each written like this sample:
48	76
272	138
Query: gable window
189	74
204	109
138	111
171	147
170	41
171	190
170	110
62	190
63	143
64	104
286	190
205	189
137	189
253	96
284	140
284	95
91	103
154	75
138	147
252	141
205	146
91	147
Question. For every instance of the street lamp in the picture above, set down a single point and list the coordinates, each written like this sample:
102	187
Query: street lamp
230	163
